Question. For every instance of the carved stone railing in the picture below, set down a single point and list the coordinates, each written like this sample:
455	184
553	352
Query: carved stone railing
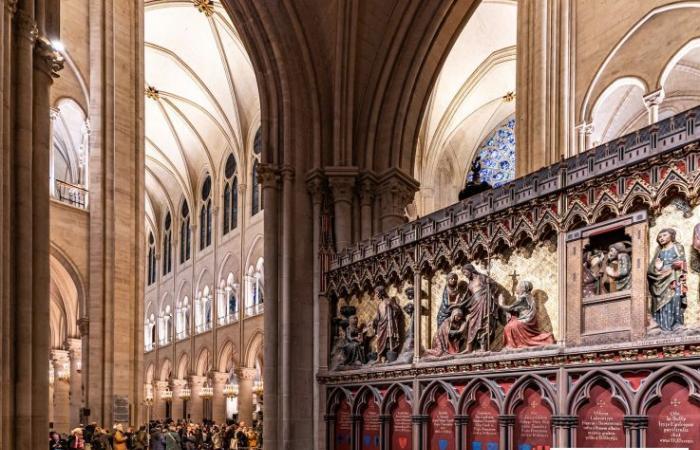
552	185
71	194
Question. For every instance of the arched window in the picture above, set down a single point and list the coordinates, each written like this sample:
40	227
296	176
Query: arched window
168	245
149	333
185	239
151	259
256	195
165	330
227	304
202	311
497	154
230	195
205	215
254	289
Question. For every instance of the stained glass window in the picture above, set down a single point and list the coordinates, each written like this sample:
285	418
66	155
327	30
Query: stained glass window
497	153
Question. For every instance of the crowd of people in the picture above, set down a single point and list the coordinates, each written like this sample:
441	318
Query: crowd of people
167	435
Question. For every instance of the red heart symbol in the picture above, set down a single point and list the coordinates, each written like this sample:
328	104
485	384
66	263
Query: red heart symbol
403	442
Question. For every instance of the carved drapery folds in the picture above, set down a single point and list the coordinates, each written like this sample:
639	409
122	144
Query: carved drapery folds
562	258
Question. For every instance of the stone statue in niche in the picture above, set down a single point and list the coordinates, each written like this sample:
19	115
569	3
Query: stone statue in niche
452	297
666	277
607	268
592	272
522	330
450	335
388	326
481	310
618	269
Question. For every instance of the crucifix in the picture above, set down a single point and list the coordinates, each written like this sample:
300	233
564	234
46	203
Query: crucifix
514	277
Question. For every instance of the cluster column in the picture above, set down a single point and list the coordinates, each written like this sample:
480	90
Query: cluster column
219	399
246	376
74	347
196	402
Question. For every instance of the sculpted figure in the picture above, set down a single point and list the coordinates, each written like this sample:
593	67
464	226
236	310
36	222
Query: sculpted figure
619	268
450	336
666	276
592	272
481	309
522	330
452	297
355	343
388	326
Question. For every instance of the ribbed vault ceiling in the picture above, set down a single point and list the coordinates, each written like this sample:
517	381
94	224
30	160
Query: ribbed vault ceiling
201	101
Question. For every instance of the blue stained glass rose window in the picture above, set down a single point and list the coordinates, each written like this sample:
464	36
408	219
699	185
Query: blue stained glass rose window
497	153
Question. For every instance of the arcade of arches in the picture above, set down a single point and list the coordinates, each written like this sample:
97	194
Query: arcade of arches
371	224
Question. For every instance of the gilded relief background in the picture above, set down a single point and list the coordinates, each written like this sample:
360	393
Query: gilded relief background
537	264
672	217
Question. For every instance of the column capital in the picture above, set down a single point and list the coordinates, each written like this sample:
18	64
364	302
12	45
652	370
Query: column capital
178	384
316	185
11	6
161	384
635	421
396	190
246	373
269	176
59	355
220	378
565	421
367	187
48	59
196	380
341	181
654	98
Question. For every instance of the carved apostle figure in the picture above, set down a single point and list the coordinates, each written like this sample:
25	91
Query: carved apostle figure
522	329
450	335
388	326
592	272
618	269
452	297
666	276
481	309
354	344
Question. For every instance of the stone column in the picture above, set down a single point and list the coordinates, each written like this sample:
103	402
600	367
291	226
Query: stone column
564	428
461	423
74	347
505	426
342	183
158	400
368	190
269	176
652	102
246	376
635	428
218	414
61	390
196	403
116	266
178	403
396	190
52	174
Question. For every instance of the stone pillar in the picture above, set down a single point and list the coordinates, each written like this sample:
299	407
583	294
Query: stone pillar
196	403
652	102
461	423
269	177
635	429
420	431
564	428
74	347
368	190
158	400
52	174
218	414
116	266
246	376
178	403
342	183
61	390
505	426
396	190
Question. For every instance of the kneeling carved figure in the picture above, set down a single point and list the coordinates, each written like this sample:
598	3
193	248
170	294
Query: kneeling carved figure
522	329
